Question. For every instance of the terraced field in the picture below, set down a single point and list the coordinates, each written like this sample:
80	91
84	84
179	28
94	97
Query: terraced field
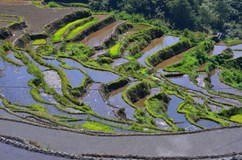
92	74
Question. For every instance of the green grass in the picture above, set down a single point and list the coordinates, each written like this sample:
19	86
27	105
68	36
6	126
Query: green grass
232	42
114	51
236	118
232	77
39	42
77	30
58	35
97	127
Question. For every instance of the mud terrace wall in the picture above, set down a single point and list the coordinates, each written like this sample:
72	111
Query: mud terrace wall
22	41
122	28
5	33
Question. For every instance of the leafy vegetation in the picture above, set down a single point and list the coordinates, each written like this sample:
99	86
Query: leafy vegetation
39	42
77	30
114	51
195	14
58	35
97	127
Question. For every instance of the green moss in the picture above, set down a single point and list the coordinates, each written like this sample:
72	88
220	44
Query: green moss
39	42
58	35
97	127
77	30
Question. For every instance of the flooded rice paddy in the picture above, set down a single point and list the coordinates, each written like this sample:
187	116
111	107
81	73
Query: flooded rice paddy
60	96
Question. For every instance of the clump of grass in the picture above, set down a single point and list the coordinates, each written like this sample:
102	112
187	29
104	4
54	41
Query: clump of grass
232	42
236	118
53	4
97	127
39	42
114	51
77	30
58	35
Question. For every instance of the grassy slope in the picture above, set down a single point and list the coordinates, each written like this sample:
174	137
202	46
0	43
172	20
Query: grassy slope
58	35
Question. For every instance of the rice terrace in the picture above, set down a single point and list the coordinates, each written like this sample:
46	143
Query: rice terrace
80	82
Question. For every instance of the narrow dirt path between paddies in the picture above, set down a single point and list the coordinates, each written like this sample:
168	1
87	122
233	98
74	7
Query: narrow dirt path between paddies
35	18
199	144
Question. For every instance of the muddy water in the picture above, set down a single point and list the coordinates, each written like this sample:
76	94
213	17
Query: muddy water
221	87
157	45
97	76
95	100
141	103
97	38
208	123
14	83
170	61
178	118
118	62
218	50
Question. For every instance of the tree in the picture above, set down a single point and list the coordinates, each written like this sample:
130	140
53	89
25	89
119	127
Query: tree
181	14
